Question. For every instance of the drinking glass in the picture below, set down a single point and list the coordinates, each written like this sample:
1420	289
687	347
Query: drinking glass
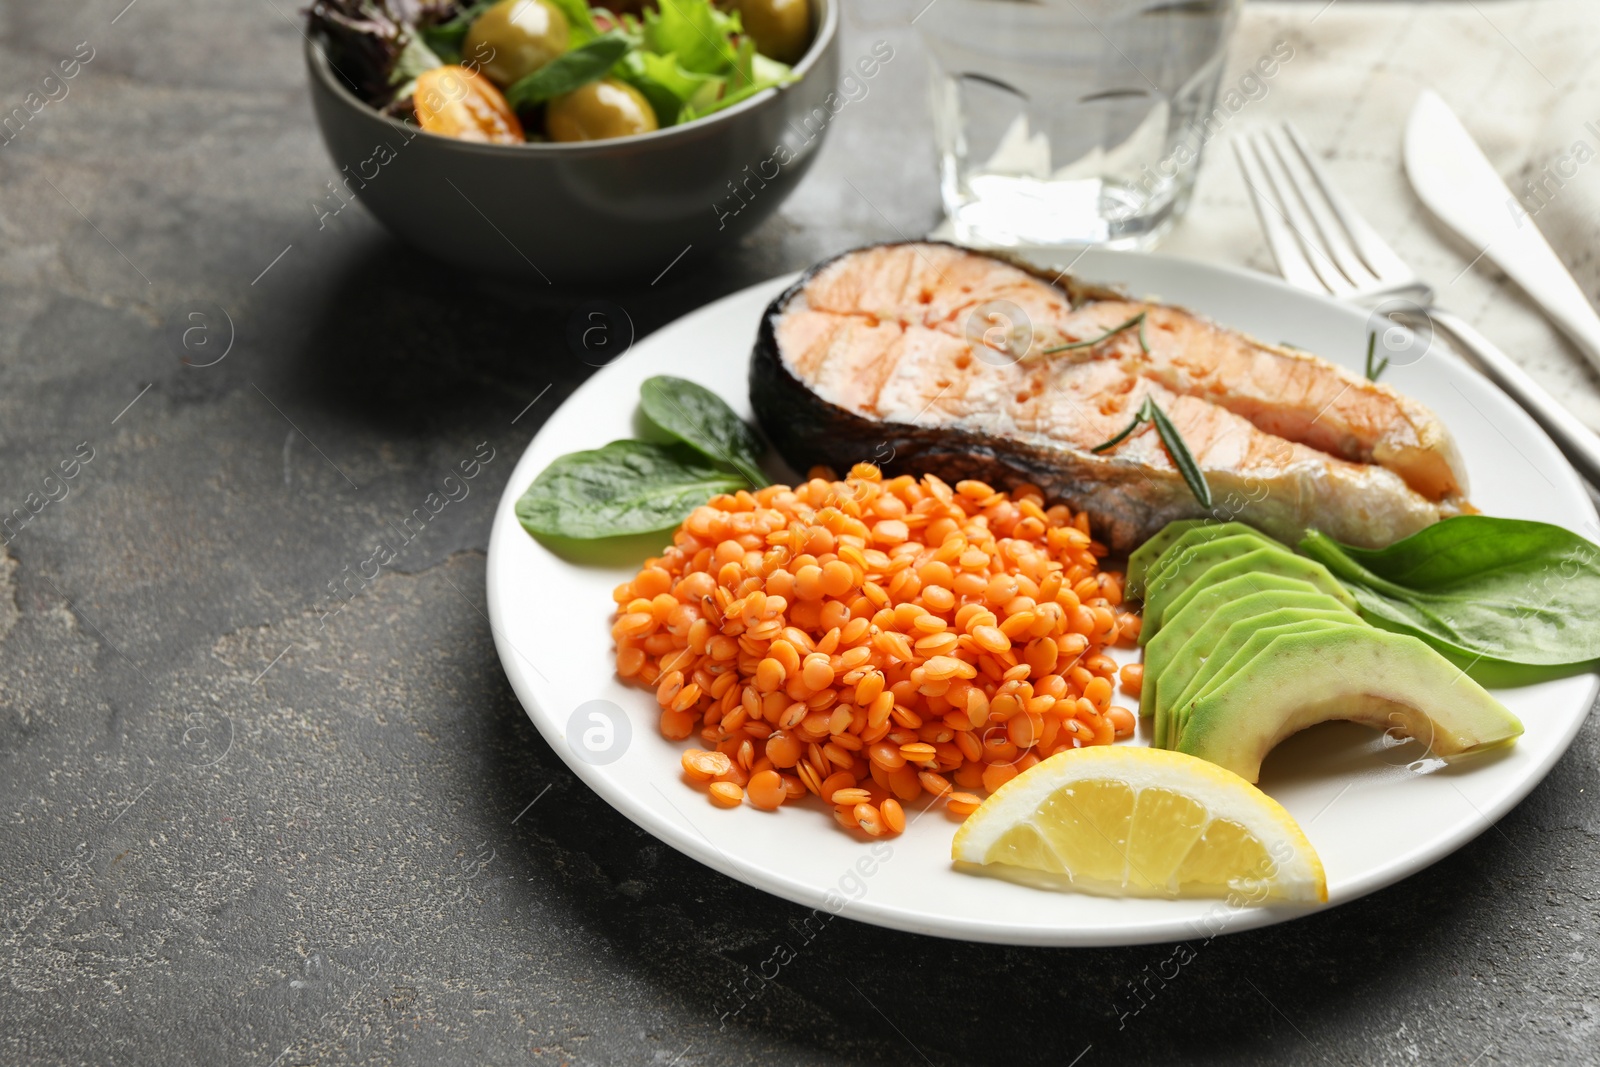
1073	121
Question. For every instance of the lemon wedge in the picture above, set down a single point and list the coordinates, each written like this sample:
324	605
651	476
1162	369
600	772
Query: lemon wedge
1122	821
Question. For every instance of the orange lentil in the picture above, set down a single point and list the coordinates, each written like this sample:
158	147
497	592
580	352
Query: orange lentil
1132	678
726	794
766	790
894	816
886	756
876	639
962	804
837	578
816	671
677	725
703	766
835	782
869	819
770	675
998	774
1121	721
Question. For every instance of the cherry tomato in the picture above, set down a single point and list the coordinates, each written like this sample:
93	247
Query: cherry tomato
456	102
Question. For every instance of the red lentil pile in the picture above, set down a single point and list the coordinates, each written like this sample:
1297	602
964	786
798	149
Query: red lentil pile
872	641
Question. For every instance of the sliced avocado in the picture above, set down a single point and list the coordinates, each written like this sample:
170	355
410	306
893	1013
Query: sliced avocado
1181	564
1141	558
1186	542
1198	564
1207	599
1317	576
1217	637
1230	651
1197	605
1390	681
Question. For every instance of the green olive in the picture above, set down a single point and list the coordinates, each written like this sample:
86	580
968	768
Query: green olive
781	28
514	38
598	111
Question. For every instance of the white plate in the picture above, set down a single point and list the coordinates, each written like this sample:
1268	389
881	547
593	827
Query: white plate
1373	820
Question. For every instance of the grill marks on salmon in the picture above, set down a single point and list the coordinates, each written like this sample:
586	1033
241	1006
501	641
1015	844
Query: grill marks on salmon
916	346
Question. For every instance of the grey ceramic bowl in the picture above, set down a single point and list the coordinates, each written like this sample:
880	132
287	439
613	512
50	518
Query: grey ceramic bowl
600	210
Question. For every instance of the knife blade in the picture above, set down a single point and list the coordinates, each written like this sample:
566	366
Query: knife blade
1461	187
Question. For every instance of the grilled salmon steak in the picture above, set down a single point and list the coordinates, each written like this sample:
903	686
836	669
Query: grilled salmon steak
927	358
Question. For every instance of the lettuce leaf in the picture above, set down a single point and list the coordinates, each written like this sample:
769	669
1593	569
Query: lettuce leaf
693	31
580	21
664	82
764	74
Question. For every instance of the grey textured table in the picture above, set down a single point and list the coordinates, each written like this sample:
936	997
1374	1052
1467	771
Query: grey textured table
243	828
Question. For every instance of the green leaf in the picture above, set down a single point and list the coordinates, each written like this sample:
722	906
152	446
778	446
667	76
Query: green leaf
1182	458
580	21
1487	590
627	487
701	419
573	70
415	58
726	100
765	79
743	64
769	71
447	38
663	81
693	31
662	100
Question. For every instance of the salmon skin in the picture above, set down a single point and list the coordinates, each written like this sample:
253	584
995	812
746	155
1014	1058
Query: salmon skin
926	358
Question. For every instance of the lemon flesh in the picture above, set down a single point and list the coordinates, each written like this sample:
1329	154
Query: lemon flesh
1141	822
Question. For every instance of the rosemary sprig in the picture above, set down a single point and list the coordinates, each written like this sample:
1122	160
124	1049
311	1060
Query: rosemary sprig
1383	365
1137	320
1182	458
1140	417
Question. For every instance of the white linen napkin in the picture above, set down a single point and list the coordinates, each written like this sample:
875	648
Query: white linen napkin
1524	77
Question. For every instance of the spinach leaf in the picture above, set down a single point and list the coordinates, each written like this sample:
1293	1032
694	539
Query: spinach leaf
573	70
627	487
701	419
447	38
1487	590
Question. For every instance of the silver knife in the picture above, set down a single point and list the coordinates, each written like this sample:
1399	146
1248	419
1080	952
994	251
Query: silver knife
1459	184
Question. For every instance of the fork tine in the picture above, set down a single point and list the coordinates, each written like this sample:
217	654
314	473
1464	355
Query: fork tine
1313	194
1380	259
1292	263
1295	217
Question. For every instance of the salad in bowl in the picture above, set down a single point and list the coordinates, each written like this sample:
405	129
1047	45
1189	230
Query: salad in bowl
518	71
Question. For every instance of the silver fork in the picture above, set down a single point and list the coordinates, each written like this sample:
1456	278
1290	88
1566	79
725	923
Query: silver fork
1323	244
